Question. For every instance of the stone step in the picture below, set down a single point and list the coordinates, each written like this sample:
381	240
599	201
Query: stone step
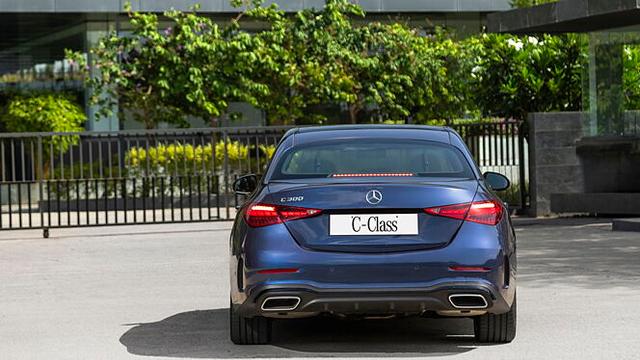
632	224
596	203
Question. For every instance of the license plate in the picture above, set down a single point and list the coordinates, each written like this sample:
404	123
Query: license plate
373	224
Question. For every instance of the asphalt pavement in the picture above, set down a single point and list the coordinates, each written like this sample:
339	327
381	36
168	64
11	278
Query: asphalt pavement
160	291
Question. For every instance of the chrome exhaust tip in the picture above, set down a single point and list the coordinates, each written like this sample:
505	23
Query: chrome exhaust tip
280	303
468	301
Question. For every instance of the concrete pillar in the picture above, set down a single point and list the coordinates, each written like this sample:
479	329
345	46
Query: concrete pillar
554	166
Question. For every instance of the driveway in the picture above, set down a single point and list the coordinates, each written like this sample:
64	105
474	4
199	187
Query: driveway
161	291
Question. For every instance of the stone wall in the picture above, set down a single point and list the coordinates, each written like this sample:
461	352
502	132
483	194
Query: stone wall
554	166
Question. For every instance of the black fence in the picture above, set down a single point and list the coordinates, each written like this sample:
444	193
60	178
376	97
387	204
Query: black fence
163	176
501	147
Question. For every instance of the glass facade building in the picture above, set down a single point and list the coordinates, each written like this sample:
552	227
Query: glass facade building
611	33
612	105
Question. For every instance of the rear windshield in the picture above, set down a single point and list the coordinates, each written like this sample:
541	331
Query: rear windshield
364	158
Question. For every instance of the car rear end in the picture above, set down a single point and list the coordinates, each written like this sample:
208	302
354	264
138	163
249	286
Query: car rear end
372	223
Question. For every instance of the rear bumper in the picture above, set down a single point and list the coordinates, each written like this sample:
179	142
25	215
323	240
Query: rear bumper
411	282
371	301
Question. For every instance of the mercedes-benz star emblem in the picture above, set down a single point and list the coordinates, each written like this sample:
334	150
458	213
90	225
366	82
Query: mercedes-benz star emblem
374	197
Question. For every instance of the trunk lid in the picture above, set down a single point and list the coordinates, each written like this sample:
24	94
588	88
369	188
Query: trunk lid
339	198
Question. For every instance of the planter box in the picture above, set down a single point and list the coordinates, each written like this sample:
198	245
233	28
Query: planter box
121	204
19	193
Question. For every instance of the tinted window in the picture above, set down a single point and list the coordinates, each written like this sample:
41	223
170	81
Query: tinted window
419	158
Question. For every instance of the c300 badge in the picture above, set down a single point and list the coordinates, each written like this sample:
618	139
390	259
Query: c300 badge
292	199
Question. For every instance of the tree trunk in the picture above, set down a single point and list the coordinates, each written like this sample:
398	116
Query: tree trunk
353	113
149	119
45	167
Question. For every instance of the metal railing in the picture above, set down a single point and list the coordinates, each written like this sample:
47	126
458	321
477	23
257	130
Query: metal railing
56	180
501	147
130	177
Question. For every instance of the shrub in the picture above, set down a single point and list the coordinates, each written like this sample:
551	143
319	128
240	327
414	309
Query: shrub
45	113
268	150
183	159
168	161
175	159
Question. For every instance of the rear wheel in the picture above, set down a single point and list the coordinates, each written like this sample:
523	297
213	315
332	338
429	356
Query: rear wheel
496	328
248	331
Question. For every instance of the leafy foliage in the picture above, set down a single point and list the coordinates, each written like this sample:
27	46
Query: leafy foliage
194	67
300	59
452	96
395	72
45	113
517	75
184	159
295	67
321	57
631	77
529	3
290	68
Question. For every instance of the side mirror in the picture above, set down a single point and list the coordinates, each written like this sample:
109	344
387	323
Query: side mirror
497	182
246	184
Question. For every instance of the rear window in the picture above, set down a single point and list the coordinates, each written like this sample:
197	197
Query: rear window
373	158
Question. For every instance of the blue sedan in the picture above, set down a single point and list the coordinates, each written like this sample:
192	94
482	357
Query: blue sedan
372	221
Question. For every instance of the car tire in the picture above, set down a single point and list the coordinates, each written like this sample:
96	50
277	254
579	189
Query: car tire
248	331
496	328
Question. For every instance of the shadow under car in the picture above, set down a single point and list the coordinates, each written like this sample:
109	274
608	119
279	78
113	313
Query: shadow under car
205	334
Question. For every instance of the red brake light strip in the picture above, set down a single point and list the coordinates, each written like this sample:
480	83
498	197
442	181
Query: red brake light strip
373	175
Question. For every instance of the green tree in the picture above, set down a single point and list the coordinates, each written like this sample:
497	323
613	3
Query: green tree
300	60
45	113
292	66
454	97
321	57
209	65
124	72
517	75
193	67
407	75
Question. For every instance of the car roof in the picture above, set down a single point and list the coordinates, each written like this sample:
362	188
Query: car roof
370	126
422	132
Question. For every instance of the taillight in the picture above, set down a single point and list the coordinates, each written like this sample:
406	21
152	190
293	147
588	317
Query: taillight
266	214
487	212
261	215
